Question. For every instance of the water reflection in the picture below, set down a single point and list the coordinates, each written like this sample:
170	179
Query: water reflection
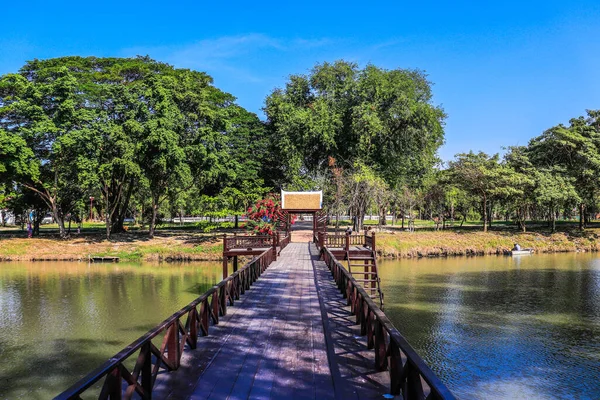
58	321
502	327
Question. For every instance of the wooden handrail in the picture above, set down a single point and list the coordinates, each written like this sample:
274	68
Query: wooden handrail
178	337
392	352
247	241
283	242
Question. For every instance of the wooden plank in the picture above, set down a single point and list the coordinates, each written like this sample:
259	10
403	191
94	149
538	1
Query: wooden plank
351	362
274	343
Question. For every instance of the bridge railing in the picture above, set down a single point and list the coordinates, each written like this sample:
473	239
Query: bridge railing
199	315
409	374
246	242
344	241
283	239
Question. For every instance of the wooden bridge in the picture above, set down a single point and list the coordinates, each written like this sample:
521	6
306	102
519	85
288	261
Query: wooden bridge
295	326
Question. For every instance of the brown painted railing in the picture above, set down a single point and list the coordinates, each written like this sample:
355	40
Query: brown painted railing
247	242
178	337
409	374
283	239
370	241
344	240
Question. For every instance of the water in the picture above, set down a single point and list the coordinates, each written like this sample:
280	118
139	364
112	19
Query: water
59	321
502	327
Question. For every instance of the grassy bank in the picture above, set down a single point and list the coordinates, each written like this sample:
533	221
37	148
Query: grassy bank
453	243
195	245
183	246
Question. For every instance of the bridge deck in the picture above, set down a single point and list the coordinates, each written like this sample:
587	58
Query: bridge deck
289	336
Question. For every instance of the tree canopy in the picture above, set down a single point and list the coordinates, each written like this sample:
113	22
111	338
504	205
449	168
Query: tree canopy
106	126
383	119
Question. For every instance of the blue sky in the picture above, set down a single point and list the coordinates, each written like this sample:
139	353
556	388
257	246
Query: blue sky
503	71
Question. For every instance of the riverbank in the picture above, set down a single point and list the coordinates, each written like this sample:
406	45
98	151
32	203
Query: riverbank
183	246
469	243
194	246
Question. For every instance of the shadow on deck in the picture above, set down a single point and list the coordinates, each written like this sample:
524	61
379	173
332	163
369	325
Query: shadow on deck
291	335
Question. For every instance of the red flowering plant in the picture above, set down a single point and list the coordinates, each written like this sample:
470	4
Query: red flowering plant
264	215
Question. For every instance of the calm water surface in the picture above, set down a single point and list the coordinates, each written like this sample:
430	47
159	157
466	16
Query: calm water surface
59	321
502	327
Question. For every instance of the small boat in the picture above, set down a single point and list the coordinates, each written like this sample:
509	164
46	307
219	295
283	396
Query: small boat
524	252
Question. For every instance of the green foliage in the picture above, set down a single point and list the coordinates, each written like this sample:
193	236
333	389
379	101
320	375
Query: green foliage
572	152
126	131
379	118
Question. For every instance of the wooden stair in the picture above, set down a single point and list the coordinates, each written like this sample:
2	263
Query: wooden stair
364	270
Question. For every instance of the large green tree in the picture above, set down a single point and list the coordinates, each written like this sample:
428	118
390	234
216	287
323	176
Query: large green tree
483	176
113	126
383	119
575	149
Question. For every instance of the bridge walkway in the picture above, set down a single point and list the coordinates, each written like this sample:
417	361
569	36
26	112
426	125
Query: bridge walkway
289	336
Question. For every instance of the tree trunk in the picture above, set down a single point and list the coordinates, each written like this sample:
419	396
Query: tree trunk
107	221
358	222
581	216
58	217
402	220
39	215
382	219
236	224
118	217
153	222
485	220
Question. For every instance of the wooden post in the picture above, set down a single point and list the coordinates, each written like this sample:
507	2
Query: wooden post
380	347
235	263
274	246
225	257
146	370
173	354
373	243
347	245
112	384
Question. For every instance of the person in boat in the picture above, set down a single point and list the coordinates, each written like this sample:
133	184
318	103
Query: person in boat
517	247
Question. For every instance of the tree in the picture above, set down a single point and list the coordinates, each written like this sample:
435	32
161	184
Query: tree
518	196
483	176
554	189
373	117
113	126
241	181
42	109
576	149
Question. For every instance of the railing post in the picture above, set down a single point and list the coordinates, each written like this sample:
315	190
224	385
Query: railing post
373	243
147	370
112	384
274	246
173	344
395	369
347	244
225	257
380	347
